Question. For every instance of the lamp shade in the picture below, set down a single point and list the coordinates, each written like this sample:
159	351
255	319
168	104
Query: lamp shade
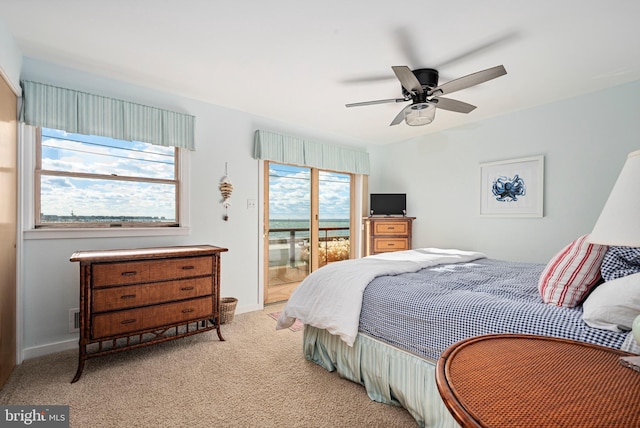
619	221
420	114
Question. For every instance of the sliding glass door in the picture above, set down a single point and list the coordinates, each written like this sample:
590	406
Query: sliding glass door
307	224
287	215
334	208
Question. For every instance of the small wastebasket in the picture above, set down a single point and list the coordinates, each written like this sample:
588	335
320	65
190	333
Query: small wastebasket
227	309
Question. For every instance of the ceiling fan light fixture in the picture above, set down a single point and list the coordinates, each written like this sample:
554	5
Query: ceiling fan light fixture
420	114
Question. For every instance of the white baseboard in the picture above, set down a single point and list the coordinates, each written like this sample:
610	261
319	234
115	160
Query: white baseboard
250	308
51	348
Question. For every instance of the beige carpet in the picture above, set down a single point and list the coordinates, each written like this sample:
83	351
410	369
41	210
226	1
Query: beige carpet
257	378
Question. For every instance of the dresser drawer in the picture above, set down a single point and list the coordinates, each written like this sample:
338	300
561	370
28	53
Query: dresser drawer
180	268
129	296
382	245
127	321
111	274
106	274
391	228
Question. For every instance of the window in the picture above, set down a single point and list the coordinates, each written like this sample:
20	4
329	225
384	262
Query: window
91	181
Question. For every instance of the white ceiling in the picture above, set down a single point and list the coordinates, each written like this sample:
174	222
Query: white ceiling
296	61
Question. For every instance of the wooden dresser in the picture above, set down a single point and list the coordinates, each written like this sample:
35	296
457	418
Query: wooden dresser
137	297
385	234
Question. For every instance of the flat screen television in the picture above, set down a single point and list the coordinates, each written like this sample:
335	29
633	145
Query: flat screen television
388	204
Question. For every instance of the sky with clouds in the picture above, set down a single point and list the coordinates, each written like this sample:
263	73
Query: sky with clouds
61	195
289	194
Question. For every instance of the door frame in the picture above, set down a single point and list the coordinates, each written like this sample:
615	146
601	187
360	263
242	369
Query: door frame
358	190
10	345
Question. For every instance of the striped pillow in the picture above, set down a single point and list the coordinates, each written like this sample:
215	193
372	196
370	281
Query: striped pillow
572	273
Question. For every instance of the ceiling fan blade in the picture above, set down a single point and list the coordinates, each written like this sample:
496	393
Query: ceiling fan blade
407	78
368	79
506	37
453	105
368	103
469	80
407	47
400	117
406	44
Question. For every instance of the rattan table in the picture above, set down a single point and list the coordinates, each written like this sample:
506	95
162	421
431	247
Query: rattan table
506	380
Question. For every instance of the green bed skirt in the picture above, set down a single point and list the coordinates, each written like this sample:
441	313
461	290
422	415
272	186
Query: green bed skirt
390	375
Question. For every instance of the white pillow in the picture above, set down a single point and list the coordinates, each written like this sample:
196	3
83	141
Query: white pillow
614	304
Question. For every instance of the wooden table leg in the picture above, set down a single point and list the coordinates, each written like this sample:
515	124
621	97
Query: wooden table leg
219	333
81	359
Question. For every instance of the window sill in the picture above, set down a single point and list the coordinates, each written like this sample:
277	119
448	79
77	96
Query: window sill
104	232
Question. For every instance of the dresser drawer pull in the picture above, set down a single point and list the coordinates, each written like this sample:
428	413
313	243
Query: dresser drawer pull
391	244
129	273
186	311
186	288
128	296
188	267
391	228
129	321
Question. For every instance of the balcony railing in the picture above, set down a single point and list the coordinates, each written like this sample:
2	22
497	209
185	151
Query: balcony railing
297	245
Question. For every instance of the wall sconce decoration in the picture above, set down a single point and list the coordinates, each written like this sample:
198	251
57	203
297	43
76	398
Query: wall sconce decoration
226	188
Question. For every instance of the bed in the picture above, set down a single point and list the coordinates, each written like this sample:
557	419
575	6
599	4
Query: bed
382	321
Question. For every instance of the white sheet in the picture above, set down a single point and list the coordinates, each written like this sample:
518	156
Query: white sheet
331	297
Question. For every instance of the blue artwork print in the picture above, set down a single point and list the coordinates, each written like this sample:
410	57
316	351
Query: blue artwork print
508	189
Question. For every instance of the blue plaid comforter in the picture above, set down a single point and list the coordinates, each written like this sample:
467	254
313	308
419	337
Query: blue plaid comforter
426	311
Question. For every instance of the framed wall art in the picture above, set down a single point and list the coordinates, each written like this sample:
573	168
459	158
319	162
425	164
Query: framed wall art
512	188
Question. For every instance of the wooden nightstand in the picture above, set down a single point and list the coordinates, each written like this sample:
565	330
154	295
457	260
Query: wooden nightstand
387	234
523	380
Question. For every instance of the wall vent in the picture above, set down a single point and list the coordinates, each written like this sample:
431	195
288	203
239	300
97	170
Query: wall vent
74	320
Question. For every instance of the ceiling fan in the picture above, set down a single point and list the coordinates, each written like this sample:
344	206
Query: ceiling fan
420	86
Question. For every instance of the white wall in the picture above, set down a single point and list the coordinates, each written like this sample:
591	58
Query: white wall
10	58
50	282
585	141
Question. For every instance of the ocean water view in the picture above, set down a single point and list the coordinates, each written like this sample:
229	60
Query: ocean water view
288	224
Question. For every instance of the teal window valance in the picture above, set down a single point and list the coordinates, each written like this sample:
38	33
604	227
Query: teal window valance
298	151
82	113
